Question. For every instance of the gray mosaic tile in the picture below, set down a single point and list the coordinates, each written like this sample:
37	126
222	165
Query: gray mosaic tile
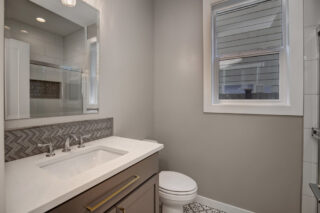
21	143
200	208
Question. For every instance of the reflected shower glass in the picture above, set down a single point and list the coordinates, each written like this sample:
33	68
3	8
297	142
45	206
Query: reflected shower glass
55	91
51	67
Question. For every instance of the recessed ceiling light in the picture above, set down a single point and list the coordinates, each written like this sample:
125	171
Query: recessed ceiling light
23	31
7	27
41	20
69	3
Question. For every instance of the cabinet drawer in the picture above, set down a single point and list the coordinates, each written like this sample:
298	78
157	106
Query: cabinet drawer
105	195
143	200
114	210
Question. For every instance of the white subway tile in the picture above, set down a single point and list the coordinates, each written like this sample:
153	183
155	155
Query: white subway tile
310	147
311	77
309	176
311	111
311	50
309	204
312	17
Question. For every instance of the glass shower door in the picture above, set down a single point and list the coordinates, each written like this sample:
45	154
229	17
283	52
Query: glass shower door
55	91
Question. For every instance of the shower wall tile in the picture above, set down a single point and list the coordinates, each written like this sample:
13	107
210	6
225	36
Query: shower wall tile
311	106
311	110
309	204
311	77
310	147
45	46
310	176
310	43
23	143
311	12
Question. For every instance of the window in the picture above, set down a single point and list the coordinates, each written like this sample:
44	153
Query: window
248	38
247	57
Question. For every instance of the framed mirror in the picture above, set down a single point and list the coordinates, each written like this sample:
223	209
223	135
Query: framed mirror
51	59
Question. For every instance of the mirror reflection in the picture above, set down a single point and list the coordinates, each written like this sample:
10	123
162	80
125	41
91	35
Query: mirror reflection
51	59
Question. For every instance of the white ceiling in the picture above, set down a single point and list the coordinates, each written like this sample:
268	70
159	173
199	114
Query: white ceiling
61	23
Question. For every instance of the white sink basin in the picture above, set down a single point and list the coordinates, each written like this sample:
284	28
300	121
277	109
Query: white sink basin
75	163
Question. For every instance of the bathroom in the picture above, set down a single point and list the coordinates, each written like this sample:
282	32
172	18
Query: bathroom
119	106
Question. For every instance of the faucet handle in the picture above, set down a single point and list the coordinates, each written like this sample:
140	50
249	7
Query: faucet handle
51	150
81	142
67	145
85	136
74	136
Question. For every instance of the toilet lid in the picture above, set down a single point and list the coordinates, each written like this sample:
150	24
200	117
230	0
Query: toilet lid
176	182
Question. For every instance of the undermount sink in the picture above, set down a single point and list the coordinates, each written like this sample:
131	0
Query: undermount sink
73	164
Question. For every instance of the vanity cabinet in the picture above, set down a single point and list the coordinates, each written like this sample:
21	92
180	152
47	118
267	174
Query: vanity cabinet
143	200
113	210
134	190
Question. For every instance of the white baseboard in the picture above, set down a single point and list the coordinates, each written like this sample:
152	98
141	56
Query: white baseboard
221	206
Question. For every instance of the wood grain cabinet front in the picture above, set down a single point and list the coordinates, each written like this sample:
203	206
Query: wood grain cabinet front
113	210
103	197
145	199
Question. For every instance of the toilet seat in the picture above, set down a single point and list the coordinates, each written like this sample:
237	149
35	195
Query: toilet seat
177	193
175	183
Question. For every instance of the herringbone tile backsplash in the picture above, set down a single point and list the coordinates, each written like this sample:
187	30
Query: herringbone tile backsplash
21	143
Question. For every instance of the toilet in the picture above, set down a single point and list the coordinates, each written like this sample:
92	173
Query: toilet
175	191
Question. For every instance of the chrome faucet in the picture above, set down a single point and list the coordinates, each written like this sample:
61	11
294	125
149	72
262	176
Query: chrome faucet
74	136
67	145
51	150
81	142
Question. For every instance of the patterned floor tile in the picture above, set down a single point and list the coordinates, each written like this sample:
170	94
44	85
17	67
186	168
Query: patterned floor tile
200	208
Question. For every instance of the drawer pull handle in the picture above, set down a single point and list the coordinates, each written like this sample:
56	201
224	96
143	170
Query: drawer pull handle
93	208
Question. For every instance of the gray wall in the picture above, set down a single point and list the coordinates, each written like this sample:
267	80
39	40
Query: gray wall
126	65
253	162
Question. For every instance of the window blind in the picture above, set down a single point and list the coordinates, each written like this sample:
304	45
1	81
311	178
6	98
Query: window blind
249	78
248	27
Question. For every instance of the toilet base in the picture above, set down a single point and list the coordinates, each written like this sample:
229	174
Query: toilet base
172	209
174	203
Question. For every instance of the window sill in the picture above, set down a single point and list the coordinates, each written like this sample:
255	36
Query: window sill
253	108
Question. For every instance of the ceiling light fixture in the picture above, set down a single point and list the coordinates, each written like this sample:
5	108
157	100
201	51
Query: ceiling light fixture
23	31
69	3
41	20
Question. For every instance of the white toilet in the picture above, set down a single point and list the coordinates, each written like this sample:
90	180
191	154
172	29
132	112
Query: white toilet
175	191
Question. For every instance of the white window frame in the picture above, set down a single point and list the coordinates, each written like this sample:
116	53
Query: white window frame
87	106
291	69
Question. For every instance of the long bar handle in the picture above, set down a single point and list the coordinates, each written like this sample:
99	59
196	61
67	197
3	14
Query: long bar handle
93	208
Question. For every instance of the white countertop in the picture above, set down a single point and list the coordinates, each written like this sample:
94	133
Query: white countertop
32	189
